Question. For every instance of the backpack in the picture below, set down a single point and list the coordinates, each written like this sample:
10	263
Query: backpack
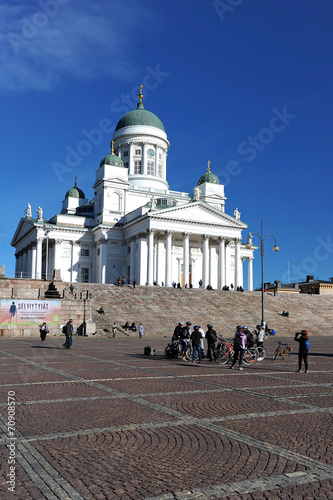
306	344
250	339
237	341
196	337
64	330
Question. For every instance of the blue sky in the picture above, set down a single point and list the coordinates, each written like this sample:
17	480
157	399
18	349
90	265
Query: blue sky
245	84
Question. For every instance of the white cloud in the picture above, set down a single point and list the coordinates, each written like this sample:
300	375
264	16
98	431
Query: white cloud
77	40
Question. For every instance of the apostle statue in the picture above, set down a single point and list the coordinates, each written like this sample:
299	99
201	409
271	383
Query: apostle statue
196	193
237	214
39	214
153	203
28	210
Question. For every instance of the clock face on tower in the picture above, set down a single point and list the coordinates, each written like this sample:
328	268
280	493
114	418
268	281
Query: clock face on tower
150	153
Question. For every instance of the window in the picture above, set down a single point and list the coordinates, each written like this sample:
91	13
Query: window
98	251
137	167
84	252
137	151
126	164
84	275
125	153
160	169
150	168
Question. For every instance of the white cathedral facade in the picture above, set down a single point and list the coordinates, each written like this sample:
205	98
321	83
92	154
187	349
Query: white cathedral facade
135	226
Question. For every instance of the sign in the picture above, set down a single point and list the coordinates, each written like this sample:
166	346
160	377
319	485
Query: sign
29	312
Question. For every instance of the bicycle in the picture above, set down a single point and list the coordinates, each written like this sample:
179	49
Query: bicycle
174	350
225	353
282	351
261	353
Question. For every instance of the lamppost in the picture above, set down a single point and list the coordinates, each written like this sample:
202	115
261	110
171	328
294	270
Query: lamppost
90	300
275	249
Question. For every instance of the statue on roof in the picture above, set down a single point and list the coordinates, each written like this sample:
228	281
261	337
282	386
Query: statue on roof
197	193
153	203
39	213
28	210
237	214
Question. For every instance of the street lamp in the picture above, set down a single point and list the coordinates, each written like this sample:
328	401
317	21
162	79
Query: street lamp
90	300
275	249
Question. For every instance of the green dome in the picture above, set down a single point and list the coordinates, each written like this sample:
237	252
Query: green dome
75	192
140	116
208	177
112	159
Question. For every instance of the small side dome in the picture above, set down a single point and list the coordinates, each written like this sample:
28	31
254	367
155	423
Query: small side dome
75	192
208	177
112	159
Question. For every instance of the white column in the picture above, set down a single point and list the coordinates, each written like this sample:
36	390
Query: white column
39	258
150	277
168	248
186	258
144	156
132	260
179	270
221	280
130	159
103	256
205	260
160	267
142	259
24	266
250	274
237	264
213	268
57	254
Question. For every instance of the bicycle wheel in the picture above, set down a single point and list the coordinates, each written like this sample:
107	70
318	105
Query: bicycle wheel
275	355
224	357
250	357
171	352
261	353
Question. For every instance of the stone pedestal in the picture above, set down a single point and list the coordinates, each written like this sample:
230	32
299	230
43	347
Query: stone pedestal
90	329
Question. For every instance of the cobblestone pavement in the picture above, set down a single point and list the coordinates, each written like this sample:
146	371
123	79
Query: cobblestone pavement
103	421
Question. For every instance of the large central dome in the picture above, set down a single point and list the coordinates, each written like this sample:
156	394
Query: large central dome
140	116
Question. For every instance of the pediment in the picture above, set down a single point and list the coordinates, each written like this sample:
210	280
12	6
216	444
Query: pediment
23	228
198	212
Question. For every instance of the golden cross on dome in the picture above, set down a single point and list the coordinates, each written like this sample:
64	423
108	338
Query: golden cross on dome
208	167
140	96
112	144
75	185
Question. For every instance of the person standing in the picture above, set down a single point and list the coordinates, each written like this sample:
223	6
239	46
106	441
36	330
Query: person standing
304	345
140	330
211	340
196	342
43	330
114	330
239	347
134	283
69	334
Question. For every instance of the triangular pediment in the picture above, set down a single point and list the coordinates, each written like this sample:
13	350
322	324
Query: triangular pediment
198	212
23	228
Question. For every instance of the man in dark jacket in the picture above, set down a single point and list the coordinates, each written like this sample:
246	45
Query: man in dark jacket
69	334
178	332
211	340
303	351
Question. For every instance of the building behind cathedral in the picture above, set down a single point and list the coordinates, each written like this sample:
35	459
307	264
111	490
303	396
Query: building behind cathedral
136	226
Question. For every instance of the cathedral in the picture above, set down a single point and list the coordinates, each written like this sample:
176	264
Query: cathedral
136	227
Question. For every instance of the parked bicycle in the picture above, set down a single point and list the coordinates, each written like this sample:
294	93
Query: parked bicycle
174	350
282	350
225	352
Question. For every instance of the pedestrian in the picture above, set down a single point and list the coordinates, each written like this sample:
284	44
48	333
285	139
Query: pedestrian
133	327
260	336
185	337
239	347
134	283
68	330
43	330
178	331
140	330
114	330
211	340
200	283
196	342
303	350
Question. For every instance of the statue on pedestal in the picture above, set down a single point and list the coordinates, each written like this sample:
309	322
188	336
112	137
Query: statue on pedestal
196	196
237	214
153	203
39	213
28	210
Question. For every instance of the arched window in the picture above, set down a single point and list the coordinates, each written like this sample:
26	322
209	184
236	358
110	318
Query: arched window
115	202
